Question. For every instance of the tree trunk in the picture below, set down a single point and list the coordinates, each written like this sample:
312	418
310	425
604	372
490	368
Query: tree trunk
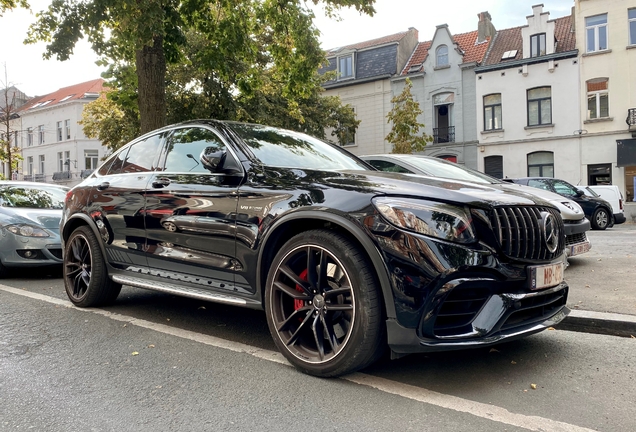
151	77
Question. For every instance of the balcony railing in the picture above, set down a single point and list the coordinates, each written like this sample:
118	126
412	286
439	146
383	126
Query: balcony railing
62	175
631	119
444	135
39	177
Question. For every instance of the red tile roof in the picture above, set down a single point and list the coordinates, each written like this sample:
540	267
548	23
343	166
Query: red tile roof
467	42
418	56
66	94
370	43
511	39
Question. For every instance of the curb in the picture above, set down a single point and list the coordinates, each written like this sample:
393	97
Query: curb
612	324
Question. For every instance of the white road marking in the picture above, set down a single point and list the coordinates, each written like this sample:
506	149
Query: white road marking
486	411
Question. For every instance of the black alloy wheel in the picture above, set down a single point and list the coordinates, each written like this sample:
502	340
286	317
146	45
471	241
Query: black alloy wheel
600	219
323	305
85	277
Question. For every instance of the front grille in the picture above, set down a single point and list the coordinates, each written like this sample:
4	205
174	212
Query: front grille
520	235
536	309
573	239
459	309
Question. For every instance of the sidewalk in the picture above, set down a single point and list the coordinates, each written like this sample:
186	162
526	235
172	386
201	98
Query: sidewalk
603	284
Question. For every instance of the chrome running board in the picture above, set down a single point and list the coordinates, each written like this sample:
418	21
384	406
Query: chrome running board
184	291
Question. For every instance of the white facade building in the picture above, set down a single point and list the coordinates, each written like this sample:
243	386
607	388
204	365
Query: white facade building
527	101
53	145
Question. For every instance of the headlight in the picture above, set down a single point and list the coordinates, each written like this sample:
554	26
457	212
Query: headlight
27	230
444	221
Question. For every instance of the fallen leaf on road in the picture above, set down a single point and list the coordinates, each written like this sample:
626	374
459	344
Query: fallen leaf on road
493	350
533	386
135	353
587	286
633	337
513	362
201	307
599	259
151	346
167	319
551	328
125	325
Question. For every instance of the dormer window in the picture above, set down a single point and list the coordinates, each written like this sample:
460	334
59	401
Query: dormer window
442	56
537	45
345	67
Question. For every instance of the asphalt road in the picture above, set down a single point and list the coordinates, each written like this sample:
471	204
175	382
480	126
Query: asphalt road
155	362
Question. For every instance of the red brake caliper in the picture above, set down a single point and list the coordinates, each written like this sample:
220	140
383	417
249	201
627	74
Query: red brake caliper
300	303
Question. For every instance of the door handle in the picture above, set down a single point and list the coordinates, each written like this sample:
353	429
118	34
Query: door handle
160	182
102	186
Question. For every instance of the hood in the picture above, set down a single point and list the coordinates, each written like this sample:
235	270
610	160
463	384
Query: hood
570	210
412	185
49	219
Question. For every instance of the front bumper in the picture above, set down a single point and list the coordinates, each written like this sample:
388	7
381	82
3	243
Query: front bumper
18	251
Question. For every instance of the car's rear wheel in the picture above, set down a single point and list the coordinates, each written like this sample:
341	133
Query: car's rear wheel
85	275
323	305
600	219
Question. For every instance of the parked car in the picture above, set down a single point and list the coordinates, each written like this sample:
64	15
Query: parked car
343	259
576	225
30	216
612	195
596	209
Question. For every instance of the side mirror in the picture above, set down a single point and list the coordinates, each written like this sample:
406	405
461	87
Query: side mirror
213	160
579	193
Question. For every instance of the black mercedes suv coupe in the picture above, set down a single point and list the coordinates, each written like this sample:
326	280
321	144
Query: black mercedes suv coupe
344	260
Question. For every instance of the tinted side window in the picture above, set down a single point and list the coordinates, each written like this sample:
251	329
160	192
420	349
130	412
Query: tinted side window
564	188
142	155
104	169
540	184
186	146
388	166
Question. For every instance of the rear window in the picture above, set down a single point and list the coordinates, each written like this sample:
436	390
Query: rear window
30	197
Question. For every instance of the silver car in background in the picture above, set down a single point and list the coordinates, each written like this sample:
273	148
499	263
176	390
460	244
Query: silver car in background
30	216
576	225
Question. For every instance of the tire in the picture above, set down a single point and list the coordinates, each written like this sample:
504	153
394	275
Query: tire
85	275
325	322
600	219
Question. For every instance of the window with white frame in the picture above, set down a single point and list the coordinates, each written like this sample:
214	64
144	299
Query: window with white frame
540	106
345	67
41	134
67	129
42	164
29	137
597	98
537	45
67	160
492	112
596	33
30	165
59	131
631	19
60	161
91	157
442	56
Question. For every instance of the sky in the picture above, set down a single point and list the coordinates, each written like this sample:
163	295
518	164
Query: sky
26	69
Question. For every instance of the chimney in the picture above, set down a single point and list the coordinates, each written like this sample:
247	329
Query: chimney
485	28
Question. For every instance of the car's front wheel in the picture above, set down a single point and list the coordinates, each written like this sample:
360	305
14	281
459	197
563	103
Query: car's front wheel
600	219
85	276
323	304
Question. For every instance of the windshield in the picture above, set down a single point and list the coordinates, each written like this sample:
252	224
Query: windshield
590	192
287	149
450	170
41	197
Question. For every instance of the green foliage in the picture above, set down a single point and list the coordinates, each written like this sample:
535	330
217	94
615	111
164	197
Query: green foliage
6	5
405	132
228	59
105	120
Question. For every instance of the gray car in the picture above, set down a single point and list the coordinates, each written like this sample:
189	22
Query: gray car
30	216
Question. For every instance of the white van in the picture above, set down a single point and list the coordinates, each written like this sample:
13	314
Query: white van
612	195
